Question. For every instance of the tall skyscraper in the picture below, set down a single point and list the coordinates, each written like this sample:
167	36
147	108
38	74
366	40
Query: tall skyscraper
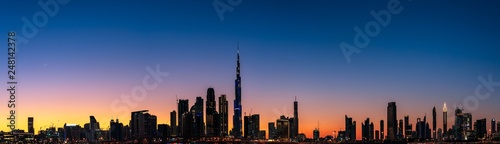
445	120
252	126
434	123
295	127
382	134
392	122
237	101
400	129
94	125
371	131
173	123
468	124
480	129
247	121
31	129
199	124
187	125
408	127
115	130
210	112
223	114
271	130
141	124
350	129
283	127
493	128
182	108
420	129
367	130
152	123
217	122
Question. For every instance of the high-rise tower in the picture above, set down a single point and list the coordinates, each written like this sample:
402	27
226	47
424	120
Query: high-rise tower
434	123
237	101
223	110
31	129
182	108
295	129
392	122
210	112
445	120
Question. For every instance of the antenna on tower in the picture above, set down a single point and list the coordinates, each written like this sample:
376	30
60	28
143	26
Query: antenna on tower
318	125
176	98
460	106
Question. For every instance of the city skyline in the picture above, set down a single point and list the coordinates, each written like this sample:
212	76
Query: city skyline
89	56
212	103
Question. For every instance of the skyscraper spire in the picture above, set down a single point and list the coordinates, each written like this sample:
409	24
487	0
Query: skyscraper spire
236	132
445	119
445	109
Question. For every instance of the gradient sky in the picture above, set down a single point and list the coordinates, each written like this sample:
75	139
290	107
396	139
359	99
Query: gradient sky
92	52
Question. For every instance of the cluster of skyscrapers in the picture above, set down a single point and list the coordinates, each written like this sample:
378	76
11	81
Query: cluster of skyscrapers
463	129
193	123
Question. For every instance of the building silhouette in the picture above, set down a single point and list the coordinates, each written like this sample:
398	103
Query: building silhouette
31	129
210	112
422	129
367	130
382	136
295	125
408	127
493	126
173	124
91	130
223	115
434	123
440	134
392	122
463	125
217	124
283	128
252	126
187	126
316	134
480	128
182	108
199	124
115	130
143	124
350	129
163	130
468	125
445	120
72	132
498	127
237	101
400	134
271	130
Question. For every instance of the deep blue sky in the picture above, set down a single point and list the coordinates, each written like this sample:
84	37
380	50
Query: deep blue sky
432	52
